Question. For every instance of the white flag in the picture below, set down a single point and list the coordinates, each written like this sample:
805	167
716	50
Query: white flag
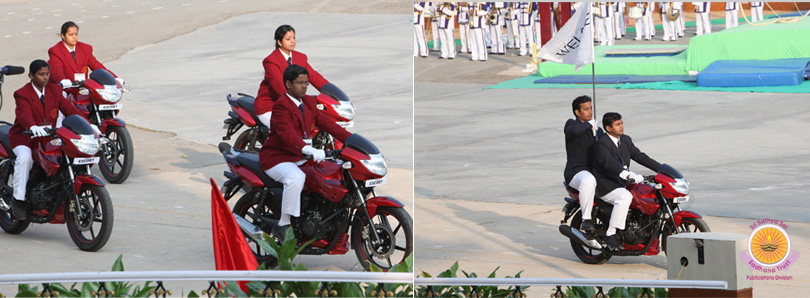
573	44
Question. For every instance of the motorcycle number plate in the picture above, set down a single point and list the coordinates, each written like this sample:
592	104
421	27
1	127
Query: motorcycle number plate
79	77
109	107
376	182
346	124
86	161
680	199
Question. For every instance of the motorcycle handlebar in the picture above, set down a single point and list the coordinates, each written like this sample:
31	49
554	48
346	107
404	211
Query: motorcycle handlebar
329	154
50	131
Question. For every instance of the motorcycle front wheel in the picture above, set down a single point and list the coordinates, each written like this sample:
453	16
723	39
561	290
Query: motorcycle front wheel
688	225
394	228
249	140
7	221
586	254
91	228
117	155
250	209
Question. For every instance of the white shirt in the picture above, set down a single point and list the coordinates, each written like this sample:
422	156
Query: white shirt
285	56
624	173
39	94
68	48
297	102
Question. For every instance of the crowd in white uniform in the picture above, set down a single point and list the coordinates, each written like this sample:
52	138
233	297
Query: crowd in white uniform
481	24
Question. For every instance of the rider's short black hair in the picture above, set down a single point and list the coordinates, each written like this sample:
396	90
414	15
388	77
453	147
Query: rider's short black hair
609	118
67	26
579	101
292	72
281	31
36	65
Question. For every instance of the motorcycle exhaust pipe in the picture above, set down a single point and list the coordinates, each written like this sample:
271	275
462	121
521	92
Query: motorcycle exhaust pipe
250	229
576	235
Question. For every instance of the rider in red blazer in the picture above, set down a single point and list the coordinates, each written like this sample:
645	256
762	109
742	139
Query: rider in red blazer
63	65
289	141
272	87
38	105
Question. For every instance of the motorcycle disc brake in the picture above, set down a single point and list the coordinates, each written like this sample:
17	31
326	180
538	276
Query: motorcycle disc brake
84	220
385	247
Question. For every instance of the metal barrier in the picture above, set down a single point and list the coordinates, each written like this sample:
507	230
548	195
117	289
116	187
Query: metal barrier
633	283
320	276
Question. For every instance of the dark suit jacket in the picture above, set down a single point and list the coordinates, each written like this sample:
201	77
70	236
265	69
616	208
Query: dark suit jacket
288	128
64	67
609	162
29	111
579	141
272	87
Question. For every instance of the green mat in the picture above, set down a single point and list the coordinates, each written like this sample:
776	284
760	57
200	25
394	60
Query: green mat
656	65
528	83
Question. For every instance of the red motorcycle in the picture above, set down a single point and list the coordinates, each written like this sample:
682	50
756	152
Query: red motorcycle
100	100
332	102
338	196
60	187
654	213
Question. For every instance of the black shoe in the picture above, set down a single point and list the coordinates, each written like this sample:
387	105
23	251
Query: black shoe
587	226
613	243
280	231
19	209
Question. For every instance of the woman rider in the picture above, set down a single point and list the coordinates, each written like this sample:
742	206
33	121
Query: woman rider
70	59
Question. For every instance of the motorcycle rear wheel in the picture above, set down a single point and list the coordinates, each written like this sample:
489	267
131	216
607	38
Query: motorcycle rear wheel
584	253
688	225
91	230
7	221
249	209
249	140
117	155
389	247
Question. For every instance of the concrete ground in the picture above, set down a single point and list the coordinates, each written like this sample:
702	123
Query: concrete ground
181	58
488	168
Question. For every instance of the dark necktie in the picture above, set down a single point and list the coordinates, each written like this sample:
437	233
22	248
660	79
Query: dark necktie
619	144
73	53
301	107
42	100
289	60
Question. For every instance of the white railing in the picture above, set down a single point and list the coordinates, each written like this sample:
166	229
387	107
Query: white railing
632	283
320	276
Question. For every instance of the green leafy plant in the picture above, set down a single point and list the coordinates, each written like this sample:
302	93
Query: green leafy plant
467	291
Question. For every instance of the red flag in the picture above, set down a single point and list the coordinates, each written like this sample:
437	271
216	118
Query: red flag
231	251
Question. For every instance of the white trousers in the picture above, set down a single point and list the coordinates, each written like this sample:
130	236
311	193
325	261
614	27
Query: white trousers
22	167
510	34
621	199
605	26
485	29
618	25
731	18
681	22
672	27
448	43
650	23
524	32
756	14
495	32
642	28
434	30
704	23
585	183
464	35
265	118
478	48
293	179
419	41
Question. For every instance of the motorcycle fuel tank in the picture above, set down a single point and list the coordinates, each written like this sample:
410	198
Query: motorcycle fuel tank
323	178
643	198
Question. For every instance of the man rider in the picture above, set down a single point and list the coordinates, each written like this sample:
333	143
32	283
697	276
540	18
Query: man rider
295	117
611	163
580	135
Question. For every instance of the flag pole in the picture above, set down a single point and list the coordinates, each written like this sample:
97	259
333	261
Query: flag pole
593	85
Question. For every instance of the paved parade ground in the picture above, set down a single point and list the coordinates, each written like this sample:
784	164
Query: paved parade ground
181	58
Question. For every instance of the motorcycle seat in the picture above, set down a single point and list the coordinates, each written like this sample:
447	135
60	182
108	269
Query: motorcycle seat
251	162
570	189
246	102
4	129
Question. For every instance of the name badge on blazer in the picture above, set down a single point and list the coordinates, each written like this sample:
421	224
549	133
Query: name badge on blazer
79	77
308	142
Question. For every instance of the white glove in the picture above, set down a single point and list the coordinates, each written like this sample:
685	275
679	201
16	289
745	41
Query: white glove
317	155
95	128
635	178
120	81
307	150
65	83
595	125
38	131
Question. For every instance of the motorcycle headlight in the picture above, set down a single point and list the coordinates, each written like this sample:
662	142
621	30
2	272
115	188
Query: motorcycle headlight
110	93
345	109
376	164
681	186
87	144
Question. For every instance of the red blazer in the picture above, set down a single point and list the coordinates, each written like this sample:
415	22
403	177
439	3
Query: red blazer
64	67
272	87
29	111
287	128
